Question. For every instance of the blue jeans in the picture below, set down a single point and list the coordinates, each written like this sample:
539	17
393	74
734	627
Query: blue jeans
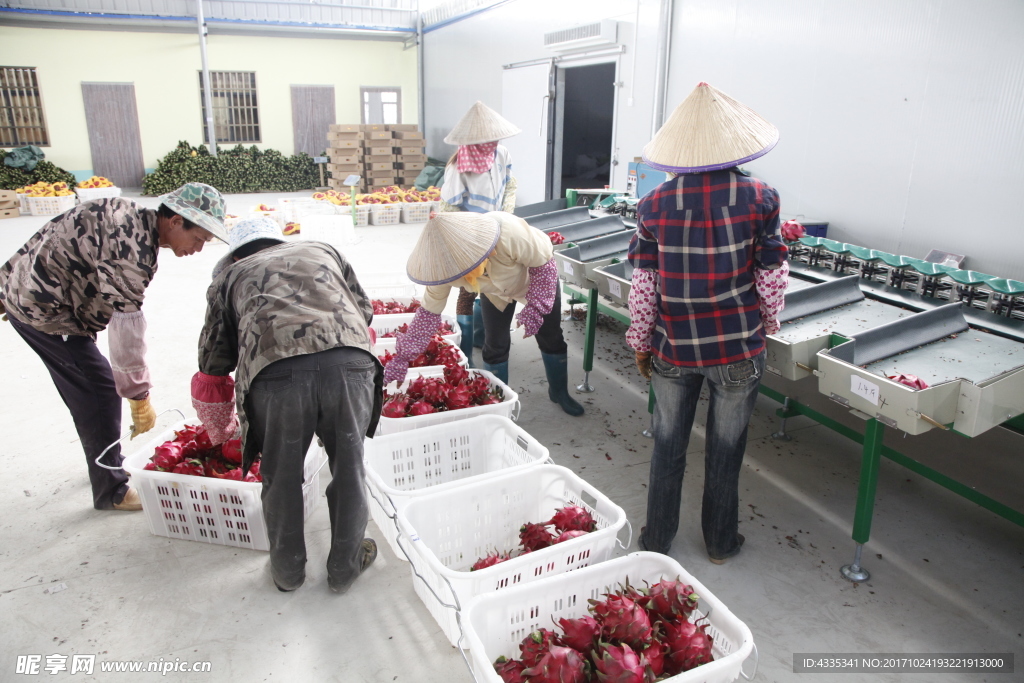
677	390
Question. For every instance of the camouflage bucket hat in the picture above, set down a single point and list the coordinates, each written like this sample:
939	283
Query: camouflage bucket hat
200	204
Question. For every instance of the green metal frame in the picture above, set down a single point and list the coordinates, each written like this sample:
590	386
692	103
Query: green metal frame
870	440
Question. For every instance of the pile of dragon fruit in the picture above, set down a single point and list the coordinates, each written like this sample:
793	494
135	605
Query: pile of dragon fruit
568	522
459	388
446	329
438	352
632	636
191	452
393	307
556	238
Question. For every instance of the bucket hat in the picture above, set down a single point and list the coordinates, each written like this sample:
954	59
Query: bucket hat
451	245
248	230
709	131
481	124
200	204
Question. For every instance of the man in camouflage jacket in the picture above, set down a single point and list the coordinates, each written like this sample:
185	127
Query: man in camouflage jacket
85	271
292	322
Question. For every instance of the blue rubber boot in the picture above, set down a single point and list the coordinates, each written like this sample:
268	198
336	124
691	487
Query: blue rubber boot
499	370
466	344
556	366
478	325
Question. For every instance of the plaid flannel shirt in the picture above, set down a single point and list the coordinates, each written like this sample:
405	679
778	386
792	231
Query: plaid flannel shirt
705	233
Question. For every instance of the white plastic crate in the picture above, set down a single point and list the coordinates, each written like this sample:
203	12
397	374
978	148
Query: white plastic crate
382	324
210	510
24	207
509	407
389	343
362	217
385	214
496	623
296	208
334	230
449	530
416	212
51	206
405	465
86	194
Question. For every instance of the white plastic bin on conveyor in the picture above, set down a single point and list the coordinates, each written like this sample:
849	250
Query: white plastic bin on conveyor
812	314
577	262
975	379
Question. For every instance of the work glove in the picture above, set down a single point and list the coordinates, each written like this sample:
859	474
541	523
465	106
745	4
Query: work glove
643	364
143	416
424	325
540	297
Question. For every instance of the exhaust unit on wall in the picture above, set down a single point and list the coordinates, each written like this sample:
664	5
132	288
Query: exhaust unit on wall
598	34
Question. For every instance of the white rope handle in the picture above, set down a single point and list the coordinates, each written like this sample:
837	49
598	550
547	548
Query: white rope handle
118	467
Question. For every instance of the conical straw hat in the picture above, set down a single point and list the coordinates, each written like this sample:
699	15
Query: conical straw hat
451	245
481	124
709	131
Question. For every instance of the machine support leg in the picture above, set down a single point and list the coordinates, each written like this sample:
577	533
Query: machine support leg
783	415
649	432
870	457
588	342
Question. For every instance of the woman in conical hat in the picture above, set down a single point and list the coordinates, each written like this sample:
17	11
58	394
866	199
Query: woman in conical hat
478	178
708	283
503	258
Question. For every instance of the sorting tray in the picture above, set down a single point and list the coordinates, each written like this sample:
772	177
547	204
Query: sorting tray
554	219
577	262
614	281
586	230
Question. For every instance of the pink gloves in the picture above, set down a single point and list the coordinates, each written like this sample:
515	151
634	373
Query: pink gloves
213	398
643	309
424	325
540	297
771	292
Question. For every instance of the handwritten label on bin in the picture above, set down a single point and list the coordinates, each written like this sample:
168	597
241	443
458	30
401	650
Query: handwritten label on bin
865	389
615	288
567	267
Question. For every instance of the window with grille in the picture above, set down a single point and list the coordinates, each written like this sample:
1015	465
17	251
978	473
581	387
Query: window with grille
381	105
235	112
21	108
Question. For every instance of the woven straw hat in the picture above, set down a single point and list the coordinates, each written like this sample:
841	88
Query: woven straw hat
481	124
451	245
709	131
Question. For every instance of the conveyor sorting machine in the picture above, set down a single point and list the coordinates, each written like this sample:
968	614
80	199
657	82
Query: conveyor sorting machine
859	321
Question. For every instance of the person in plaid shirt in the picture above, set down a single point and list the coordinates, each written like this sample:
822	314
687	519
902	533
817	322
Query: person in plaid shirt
709	279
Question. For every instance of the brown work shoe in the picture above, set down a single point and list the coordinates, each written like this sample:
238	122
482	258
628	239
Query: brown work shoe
369	548
734	553
131	501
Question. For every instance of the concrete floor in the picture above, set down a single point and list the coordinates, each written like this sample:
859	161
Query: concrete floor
947	576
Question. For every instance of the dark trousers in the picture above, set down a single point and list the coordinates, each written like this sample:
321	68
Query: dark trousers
330	394
498	334
84	381
733	390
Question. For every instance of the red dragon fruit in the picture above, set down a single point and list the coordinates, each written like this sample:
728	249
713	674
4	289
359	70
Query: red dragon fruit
455	374
234	475
536	644
231	450
535	536
488	399
579	634
479	385
202	439
434	390
558	665
572	518
688	646
192	467
167	455
510	670
396	406
421	408
619	664
655	657
670	600
458	397
490	560
569	535
415	388
151	466
623	619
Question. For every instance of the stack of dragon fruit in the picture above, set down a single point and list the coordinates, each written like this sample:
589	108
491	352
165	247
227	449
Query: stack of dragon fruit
191	452
438	352
393	307
632	636
446	329
458	388
569	522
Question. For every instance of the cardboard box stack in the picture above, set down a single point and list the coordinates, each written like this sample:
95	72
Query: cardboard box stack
9	204
345	154
410	153
377	156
